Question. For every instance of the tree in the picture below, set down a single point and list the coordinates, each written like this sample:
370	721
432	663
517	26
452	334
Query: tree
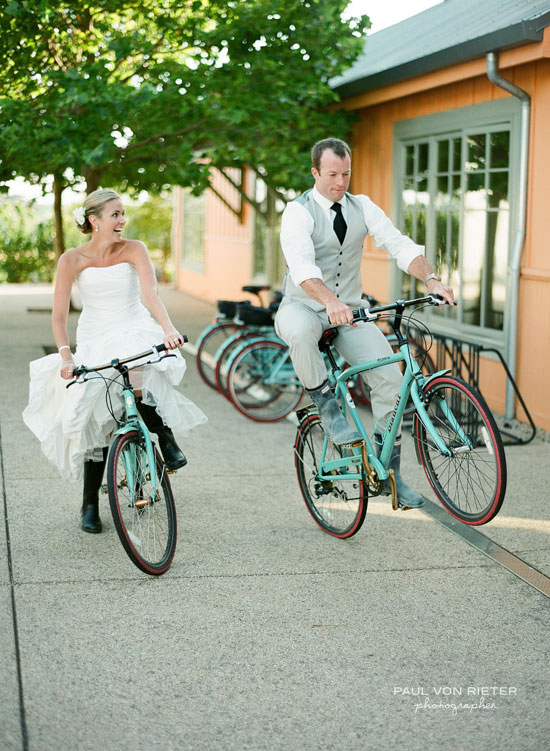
153	94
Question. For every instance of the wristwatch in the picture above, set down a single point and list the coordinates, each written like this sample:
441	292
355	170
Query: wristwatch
432	276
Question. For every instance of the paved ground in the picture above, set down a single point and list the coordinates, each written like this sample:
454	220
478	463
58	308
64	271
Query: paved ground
265	633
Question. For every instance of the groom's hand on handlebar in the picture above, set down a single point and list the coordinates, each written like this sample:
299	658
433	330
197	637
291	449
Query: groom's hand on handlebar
339	313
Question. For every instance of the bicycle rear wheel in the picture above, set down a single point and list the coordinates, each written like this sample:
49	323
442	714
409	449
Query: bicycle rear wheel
208	347
146	524
262	383
337	506
471	483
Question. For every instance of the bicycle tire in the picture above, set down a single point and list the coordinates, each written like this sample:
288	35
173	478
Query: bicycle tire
207	348
471	484
148	533
256	389
223	362
339	511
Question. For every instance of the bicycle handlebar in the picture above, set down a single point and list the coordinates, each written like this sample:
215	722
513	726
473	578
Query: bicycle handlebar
81	370
372	314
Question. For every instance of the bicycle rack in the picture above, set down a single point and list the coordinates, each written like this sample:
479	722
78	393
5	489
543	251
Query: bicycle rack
464	358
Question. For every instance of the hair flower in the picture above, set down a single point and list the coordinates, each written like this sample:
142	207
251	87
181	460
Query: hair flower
79	215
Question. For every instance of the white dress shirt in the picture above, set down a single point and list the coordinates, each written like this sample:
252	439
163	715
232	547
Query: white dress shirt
297	227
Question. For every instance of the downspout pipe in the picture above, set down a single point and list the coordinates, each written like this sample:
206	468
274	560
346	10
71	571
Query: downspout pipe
519	237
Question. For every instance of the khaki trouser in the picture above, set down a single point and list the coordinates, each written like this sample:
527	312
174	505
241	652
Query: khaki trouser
301	328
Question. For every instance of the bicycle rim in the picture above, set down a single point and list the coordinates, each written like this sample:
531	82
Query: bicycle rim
337	506
262	382
471	483
146	524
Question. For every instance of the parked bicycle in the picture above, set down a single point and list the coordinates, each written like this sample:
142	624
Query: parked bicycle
455	435
227	324
140	494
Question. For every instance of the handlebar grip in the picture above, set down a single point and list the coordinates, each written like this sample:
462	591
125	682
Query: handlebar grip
162	347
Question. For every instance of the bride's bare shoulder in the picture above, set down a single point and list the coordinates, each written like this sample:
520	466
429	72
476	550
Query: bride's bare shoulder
73	260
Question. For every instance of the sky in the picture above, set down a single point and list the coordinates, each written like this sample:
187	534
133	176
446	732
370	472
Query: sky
382	13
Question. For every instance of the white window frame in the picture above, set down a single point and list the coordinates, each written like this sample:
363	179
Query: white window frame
477	118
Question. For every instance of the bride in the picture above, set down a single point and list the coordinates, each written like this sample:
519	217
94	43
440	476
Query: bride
74	425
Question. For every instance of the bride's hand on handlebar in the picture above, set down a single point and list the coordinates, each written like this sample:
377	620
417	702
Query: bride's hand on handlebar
173	339
66	370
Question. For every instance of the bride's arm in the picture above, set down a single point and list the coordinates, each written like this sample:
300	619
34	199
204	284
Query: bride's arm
149	289
61	300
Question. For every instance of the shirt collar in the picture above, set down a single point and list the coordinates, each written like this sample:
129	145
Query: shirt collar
326	203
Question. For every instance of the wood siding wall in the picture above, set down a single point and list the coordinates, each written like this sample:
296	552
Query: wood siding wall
227	248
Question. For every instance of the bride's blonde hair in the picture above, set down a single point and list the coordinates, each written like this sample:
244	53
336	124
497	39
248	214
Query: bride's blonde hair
93	206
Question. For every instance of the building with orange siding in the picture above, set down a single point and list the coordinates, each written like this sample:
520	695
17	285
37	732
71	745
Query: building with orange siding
440	147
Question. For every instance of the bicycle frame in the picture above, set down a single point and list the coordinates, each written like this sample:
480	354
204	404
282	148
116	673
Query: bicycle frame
131	423
413	384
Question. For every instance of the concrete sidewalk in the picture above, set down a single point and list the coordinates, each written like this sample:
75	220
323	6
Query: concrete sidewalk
266	634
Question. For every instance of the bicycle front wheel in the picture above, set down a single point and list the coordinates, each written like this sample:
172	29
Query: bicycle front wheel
471	483
262	382
337	506
144	517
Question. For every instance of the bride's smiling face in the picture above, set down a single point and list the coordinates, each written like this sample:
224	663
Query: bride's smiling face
112	220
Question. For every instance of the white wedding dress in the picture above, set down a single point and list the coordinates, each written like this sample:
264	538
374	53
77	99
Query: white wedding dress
71	423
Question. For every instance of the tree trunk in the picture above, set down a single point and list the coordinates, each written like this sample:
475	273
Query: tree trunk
272	219
92	180
59	237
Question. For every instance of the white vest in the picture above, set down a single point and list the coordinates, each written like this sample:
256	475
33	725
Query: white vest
340	265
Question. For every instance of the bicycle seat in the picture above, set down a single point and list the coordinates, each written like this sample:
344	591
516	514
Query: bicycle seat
327	338
254	289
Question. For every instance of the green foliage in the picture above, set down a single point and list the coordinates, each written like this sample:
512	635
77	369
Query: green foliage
151	222
26	252
143	94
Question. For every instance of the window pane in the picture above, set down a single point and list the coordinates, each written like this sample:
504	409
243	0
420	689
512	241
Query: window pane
420	237
500	149
455	181
409	160
475	197
442	198
476	152
498	190
443	156
457	154
496	266
423	197
408	196
422	157
440	241
475	225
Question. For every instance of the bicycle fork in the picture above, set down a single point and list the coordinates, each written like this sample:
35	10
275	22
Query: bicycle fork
134	470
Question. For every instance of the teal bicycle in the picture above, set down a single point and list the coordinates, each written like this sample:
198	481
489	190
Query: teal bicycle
140	495
455	435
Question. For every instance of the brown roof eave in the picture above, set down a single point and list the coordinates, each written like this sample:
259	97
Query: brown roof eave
513	36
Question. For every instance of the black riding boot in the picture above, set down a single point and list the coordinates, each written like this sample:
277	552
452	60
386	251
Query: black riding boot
174	457
93	476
